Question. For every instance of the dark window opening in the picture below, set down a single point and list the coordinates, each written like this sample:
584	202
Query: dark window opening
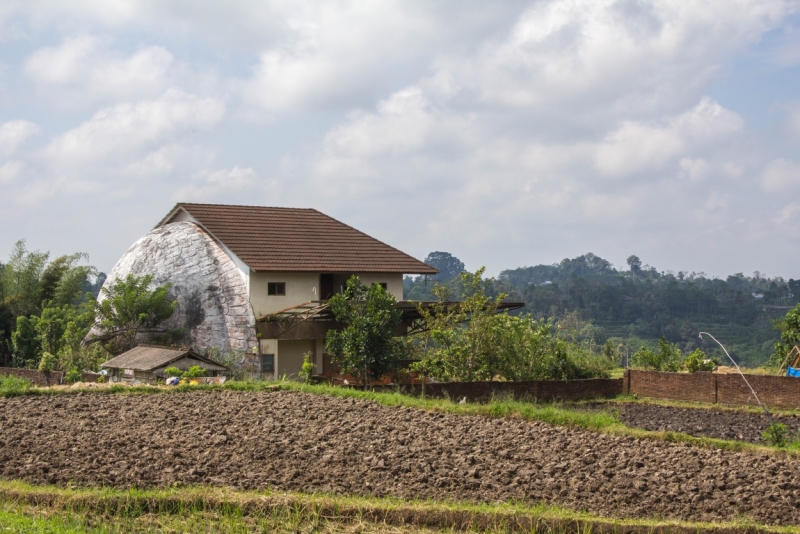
325	286
384	285
276	288
267	363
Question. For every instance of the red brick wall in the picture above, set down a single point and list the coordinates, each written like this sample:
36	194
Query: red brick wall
33	375
698	387
543	390
777	391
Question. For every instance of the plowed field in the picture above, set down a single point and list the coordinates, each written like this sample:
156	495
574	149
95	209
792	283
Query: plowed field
702	422
295	441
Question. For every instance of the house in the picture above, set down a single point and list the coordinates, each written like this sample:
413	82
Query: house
146	363
255	280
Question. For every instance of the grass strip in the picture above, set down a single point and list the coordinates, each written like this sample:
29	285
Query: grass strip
293	511
605	422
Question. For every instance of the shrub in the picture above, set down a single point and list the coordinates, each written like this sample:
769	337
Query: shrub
668	358
172	371
72	376
697	361
307	370
194	371
776	434
48	362
13	385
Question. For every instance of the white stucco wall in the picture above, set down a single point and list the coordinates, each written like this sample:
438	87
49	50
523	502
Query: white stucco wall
300	287
304	287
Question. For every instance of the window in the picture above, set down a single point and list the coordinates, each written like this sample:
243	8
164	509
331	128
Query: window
276	288
267	363
384	285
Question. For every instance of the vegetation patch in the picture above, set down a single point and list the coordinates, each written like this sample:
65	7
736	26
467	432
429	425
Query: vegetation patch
51	509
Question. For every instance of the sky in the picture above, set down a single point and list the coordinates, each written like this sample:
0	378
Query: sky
506	133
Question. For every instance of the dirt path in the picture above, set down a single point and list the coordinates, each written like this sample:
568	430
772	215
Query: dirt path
295	441
722	424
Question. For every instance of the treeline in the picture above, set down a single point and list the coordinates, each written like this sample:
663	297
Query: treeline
47	307
640	304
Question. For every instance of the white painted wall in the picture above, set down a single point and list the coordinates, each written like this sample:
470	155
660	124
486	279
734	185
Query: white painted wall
300	287
291	352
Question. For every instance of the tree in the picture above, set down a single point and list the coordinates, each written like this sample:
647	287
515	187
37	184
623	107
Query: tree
26	342
449	266
366	346
789	328
634	263
668	358
129	306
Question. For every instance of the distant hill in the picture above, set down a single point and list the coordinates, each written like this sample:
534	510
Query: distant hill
638	305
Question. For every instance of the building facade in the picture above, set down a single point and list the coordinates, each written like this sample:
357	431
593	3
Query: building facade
255	280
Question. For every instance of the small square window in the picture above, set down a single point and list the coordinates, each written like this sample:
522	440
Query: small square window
276	288
267	363
384	285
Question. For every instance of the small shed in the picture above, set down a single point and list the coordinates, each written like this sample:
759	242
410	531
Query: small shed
146	363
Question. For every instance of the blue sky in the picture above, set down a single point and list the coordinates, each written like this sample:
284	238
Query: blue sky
508	136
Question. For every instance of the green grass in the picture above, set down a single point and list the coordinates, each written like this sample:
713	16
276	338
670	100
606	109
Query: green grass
40	509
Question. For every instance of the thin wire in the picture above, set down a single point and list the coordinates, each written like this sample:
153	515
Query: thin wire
740	372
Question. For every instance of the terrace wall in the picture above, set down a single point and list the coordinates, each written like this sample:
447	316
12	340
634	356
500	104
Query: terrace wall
543	390
777	391
36	377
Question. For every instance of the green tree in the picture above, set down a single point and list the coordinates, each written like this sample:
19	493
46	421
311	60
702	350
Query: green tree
26	342
668	358
789	328
366	346
449	266
47	364
129	306
698	361
19	280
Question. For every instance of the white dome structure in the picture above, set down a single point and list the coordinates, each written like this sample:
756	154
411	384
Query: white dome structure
212	294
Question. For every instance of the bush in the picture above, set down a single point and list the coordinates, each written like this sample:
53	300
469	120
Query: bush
776	434
194	371
668	358
172	371
72	376
307	370
13	385
697	361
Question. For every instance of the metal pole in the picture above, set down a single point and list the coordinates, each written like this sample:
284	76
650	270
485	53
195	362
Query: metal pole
740	372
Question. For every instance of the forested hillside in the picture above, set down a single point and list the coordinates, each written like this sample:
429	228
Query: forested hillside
637	305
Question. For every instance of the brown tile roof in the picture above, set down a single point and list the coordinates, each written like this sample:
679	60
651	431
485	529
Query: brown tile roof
149	357
295	239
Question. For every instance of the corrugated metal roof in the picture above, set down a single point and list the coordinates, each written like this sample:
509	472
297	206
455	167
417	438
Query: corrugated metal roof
295	239
149	357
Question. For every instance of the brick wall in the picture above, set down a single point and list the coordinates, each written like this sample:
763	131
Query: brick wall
36	377
87	376
543	390
777	391
698	387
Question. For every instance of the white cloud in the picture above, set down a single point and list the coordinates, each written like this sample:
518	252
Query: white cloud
124	131
10	170
638	146
780	174
84	66
14	133
210	185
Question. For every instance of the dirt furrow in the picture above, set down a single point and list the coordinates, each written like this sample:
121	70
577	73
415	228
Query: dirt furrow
294	441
